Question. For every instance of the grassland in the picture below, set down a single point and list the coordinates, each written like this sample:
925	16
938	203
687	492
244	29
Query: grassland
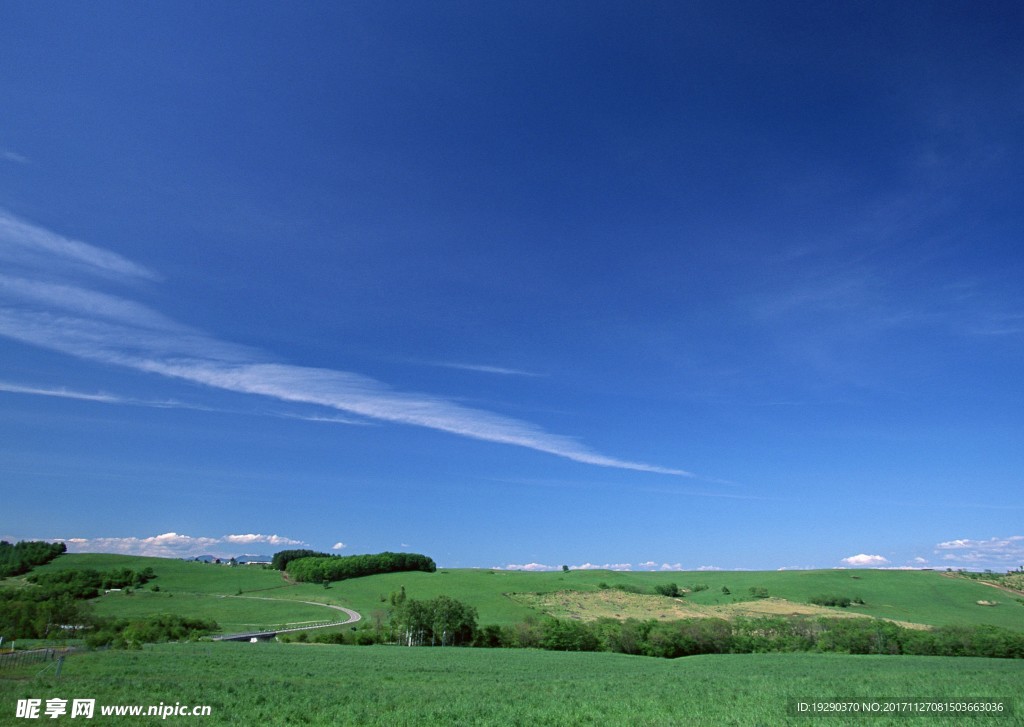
240	598
285	684
192	589
920	597
232	613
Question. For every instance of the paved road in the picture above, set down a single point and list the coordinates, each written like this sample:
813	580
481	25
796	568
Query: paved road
353	616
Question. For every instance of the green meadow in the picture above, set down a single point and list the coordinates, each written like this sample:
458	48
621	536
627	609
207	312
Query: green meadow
293	684
923	597
187	588
317	684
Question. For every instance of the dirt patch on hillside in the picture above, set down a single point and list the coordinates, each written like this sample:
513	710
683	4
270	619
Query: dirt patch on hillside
620	605
592	605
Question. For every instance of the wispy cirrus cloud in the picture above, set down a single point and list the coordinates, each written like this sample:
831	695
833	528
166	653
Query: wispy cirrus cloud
64	315
25	245
104	398
99	397
174	545
482	368
11	156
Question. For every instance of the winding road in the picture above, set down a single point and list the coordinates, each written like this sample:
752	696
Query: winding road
353	616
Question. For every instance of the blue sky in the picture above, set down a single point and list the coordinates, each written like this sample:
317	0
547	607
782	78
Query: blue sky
525	284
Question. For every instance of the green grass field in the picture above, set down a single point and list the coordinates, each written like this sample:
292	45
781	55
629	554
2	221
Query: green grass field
203	590
233	614
923	597
285	684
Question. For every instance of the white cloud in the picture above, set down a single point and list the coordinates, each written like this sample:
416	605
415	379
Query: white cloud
671	566
920	561
172	545
648	564
709	567
998	552
863	559
339	546
256	538
89	324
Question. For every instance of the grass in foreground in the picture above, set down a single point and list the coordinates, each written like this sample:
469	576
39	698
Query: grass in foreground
331	685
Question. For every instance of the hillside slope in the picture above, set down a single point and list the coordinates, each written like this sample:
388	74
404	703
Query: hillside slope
921	597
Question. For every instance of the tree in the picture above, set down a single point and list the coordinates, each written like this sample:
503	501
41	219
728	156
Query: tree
565	569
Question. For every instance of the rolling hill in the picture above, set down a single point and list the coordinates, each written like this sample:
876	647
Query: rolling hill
188	588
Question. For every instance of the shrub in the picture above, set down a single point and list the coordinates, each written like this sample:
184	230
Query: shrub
841	601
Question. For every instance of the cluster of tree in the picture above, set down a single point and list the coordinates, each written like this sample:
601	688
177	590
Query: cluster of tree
55	605
88	582
30	613
325	569
671	639
123	633
26	554
674	591
440	621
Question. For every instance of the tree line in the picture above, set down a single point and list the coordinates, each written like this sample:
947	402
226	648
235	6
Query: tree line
444	621
329	568
21	557
89	582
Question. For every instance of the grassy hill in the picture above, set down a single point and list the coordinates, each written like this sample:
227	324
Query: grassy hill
237	598
340	685
923	597
210	591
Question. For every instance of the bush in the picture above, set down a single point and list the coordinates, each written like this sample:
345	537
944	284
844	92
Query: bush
671	590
